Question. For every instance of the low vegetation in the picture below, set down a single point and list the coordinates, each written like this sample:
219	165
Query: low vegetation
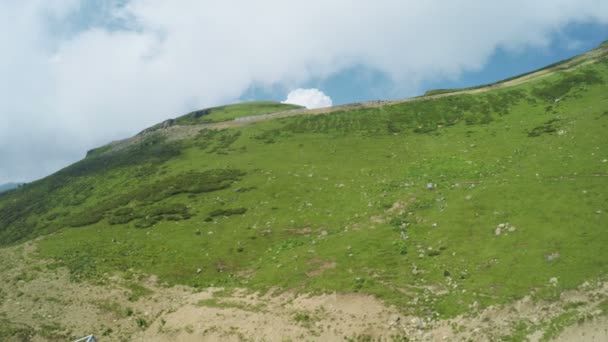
437	206
231	112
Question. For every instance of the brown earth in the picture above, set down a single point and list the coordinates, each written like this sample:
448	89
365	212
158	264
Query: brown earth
41	303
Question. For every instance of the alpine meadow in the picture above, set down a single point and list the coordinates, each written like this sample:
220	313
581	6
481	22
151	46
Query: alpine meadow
463	214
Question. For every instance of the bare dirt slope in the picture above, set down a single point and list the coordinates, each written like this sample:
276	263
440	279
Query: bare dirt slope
41	303
595	331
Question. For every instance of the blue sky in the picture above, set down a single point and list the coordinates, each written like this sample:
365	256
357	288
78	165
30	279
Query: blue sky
77	74
360	83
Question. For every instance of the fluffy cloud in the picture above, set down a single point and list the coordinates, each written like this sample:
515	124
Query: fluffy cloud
72	81
309	98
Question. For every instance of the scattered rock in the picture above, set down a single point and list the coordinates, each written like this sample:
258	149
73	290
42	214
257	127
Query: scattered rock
553	256
504	227
553	281
415	270
431	186
468	197
167	123
376	219
394	320
420	324
199	270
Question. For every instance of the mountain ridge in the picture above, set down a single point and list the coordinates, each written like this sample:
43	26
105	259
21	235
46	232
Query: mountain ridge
173	128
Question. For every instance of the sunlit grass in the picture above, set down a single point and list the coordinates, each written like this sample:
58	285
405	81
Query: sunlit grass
341	202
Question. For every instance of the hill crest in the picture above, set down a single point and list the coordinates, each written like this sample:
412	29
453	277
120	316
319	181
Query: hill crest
190	124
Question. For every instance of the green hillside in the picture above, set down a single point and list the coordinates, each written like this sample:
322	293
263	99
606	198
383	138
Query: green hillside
230	112
483	197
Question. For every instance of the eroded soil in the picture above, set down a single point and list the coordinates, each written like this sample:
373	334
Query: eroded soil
41	303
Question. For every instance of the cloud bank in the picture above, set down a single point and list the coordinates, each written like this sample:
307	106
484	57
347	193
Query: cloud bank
74	77
309	98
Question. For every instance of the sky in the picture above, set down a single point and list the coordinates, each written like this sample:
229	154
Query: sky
76	74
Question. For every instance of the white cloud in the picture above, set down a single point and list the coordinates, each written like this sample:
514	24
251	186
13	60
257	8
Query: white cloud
309	98
62	93
574	44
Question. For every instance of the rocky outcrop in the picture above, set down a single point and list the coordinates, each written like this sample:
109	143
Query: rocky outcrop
163	125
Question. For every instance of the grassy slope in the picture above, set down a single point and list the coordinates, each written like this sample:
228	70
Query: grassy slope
234	111
318	189
557	66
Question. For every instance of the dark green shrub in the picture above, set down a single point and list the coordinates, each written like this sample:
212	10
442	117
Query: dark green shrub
227	212
548	127
554	90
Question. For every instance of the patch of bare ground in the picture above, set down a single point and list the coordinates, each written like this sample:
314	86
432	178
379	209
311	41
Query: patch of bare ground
300	231
577	312
320	267
41	303
592	331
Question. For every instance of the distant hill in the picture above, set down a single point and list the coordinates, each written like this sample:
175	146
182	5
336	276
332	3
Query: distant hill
8	186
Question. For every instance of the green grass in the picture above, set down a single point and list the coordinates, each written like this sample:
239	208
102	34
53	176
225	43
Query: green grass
268	205
604	307
556	65
558	324
137	291
15	331
519	334
306	319
113	308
